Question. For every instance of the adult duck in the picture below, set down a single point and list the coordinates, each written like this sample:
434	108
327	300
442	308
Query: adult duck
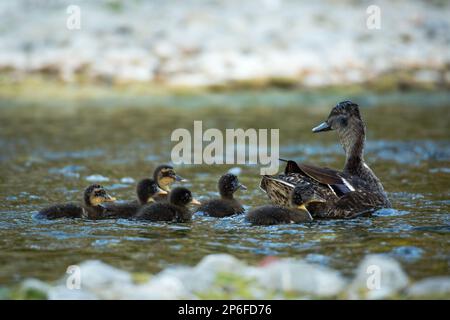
338	194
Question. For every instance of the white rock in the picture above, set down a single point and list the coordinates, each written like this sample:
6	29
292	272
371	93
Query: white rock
377	277
220	263
431	287
235	170
161	288
202	276
97	178
301	277
127	180
98	280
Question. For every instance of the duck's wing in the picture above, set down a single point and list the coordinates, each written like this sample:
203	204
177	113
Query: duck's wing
355	204
291	167
333	178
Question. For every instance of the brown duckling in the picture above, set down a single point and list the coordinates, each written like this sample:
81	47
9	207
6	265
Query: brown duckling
175	210
91	208
146	189
274	214
165	176
227	205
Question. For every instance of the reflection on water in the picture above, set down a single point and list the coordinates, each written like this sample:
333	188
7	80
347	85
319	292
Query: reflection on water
50	154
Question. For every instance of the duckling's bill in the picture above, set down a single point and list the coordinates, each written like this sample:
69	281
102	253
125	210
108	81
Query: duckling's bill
241	186
195	202
180	179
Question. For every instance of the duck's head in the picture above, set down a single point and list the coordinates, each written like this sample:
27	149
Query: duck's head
148	188
229	184
346	119
182	197
301	196
165	175
95	195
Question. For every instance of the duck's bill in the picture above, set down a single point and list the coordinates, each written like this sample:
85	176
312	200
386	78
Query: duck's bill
303	208
161	192
196	202
108	198
321	127
180	179
241	186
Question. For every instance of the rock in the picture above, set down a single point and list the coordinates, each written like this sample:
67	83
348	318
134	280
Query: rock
377	277
127	180
163	287
34	289
235	170
436	287
220	263
98	280
301	277
97	178
201	277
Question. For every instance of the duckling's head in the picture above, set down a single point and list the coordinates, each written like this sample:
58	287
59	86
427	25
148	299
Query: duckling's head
301	196
182	197
95	195
346	119
165	175
148	188
229	184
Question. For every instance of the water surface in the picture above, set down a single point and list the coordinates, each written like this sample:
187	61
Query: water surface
48	151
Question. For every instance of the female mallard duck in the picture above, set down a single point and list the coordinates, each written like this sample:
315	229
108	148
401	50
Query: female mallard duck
175	210
275	214
92	208
340	194
146	189
227	205
165	176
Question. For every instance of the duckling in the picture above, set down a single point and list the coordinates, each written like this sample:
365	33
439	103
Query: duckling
274	214
174	210
227	205
91	208
165	176
146	189
338	188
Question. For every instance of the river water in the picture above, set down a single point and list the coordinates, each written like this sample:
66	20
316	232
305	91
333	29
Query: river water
49	148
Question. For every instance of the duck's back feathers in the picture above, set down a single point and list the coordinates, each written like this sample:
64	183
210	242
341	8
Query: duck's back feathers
220	208
279	188
270	215
354	204
64	210
122	210
163	211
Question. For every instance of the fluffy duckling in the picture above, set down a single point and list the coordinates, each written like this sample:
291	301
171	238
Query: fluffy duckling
273	214
227	205
175	210
92	207
146	189
165	176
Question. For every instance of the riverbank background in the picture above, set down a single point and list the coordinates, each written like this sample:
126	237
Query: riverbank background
99	103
